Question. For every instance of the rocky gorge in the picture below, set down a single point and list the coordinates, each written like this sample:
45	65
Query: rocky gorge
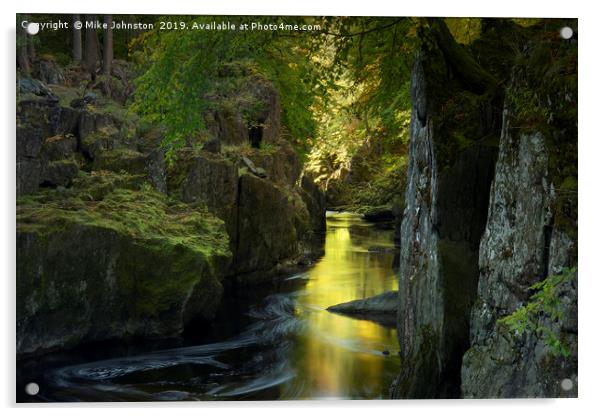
115	242
490	211
384	209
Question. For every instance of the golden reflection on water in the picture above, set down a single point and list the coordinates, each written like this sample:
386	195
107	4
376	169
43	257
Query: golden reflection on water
344	356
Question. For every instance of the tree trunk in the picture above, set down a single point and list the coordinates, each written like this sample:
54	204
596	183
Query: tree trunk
22	53
91	47
464	65
107	55
31	49
77	41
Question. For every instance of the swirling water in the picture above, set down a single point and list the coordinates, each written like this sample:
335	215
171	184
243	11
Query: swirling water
282	344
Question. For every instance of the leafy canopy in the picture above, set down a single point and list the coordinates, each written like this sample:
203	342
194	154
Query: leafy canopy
185	73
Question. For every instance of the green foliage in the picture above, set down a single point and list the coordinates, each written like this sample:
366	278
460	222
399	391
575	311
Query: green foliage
545	302
188	73
368	59
464	29
364	114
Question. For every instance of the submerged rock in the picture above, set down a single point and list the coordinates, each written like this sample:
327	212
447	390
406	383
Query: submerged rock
379	214
381	309
383	304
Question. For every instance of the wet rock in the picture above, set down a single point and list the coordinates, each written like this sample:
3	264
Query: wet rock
379	214
383	304
271	221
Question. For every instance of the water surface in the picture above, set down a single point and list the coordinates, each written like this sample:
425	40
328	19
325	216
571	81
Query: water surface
279	345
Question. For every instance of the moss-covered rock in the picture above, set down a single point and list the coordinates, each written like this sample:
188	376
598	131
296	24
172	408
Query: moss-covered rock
272	222
121	160
96	262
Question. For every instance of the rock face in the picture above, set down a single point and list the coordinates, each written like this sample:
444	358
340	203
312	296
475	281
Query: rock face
114	244
531	234
245	122
270	223
87	271
479	229
385	303
445	212
520	246
274	218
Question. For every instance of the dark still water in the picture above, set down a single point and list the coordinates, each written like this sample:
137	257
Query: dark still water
280	345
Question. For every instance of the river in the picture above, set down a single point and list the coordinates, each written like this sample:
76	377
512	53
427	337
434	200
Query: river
266	346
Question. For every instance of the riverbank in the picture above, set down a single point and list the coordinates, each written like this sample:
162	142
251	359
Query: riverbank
277	342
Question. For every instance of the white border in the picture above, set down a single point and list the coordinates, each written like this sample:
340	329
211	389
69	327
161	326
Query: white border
590	144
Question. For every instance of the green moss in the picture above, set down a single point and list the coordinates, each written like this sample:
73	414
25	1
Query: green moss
141	214
112	234
119	160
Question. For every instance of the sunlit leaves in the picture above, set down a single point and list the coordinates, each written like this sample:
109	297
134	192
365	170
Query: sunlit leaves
543	312
183	74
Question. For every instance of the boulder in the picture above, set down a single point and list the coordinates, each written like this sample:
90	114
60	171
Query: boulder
91	122
59	173
35	87
259	172
151	165
380	308
48	71
211	179
316	203
87	271
271	222
60	147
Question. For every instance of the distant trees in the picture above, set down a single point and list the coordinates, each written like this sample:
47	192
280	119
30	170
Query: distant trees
26	51
77	40
107	53
82	45
92	48
22	52
91	56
